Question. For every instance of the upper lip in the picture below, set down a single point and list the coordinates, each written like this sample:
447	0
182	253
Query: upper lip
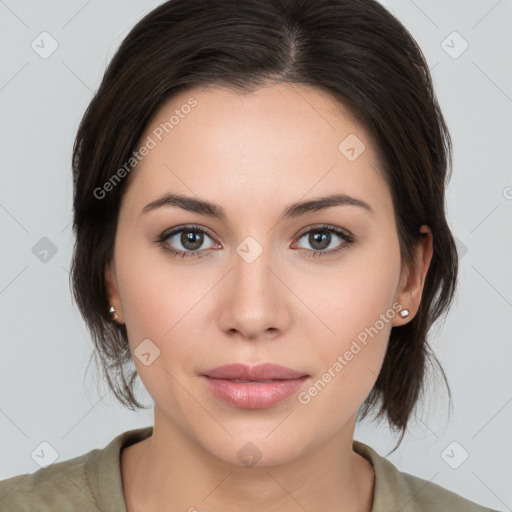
264	371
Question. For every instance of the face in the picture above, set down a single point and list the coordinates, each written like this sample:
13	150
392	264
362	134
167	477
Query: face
314	290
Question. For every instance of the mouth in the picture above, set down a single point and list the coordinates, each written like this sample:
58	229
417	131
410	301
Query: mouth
260	373
253	387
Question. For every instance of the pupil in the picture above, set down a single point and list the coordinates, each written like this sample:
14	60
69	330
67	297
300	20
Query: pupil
196	240
320	236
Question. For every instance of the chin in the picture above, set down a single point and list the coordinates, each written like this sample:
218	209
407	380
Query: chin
254	451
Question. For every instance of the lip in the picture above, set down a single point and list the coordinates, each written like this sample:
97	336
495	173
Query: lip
263	371
255	394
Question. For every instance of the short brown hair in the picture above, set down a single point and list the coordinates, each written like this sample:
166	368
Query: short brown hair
353	49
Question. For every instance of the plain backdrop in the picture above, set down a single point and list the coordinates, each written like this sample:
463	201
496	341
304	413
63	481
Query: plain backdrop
46	393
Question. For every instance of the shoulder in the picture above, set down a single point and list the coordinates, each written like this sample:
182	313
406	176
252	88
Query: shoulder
89	482
60	486
431	497
398	490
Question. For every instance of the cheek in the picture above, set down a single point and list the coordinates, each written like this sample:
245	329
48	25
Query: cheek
356	313
347	362
350	296
161	303
165	309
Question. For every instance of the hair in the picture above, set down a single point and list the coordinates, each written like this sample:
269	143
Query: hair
356	51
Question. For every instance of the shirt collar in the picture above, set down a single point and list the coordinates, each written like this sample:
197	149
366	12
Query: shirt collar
104	473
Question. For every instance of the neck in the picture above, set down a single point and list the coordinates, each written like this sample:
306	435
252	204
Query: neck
169	471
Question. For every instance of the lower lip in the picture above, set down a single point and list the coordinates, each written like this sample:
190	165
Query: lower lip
254	395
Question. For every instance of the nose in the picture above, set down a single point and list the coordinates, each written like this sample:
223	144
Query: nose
254	300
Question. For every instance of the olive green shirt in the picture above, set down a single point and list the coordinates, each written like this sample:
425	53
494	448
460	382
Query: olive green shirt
92	482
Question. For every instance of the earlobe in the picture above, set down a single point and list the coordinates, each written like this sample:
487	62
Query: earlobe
112	292
413	280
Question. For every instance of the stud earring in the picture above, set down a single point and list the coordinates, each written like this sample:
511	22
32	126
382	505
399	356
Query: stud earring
112	311
404	313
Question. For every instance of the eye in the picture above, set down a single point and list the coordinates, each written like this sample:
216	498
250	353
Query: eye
190	238
323	237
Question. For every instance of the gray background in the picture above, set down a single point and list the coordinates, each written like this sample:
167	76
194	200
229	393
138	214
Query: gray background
46	393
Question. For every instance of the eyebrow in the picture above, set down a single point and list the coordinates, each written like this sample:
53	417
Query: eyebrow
216	211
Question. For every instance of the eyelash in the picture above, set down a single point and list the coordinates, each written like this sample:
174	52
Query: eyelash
346	236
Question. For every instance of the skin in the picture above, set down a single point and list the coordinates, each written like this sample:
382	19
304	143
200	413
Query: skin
254	155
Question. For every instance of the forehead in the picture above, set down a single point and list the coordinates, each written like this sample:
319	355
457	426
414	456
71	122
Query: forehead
282	142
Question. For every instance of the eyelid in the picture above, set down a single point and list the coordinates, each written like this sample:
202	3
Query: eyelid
346	236
326	227
192	227
164	237
185	227
343	234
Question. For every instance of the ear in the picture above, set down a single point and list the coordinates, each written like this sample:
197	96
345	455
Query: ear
112	290
412	278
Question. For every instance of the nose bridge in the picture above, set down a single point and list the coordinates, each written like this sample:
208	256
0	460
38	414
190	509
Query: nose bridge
252	276
254	303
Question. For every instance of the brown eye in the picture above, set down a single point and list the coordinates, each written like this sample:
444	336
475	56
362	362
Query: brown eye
185	242
191	240
324	237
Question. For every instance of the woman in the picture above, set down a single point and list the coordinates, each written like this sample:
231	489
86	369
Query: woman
260	228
